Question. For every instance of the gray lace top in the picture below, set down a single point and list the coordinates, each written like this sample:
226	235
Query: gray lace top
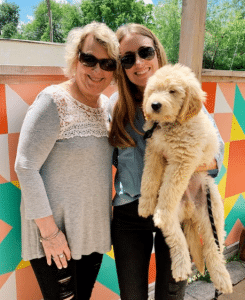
64	168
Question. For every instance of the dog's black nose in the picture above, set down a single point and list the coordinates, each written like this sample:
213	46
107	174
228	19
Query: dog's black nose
156	106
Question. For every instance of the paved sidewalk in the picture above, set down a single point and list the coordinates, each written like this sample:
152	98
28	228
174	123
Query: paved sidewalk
201	290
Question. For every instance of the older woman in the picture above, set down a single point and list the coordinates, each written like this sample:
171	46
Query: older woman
64	167
141	55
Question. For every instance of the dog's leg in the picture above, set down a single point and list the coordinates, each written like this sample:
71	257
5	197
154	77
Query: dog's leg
180	257
175	182
191	232
151	181
214	257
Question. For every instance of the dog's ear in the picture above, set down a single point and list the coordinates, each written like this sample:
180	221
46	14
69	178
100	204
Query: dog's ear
192	104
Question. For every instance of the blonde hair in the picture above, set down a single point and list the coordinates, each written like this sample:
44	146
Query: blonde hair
76	38
124	110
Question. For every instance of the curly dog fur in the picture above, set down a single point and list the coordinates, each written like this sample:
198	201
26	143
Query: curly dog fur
186	137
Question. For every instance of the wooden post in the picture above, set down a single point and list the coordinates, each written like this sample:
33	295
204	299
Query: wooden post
192	34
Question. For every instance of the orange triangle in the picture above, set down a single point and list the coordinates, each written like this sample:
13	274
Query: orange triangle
4	278
228	90
5	229
28	92
3	180
234	234
224	123
242	89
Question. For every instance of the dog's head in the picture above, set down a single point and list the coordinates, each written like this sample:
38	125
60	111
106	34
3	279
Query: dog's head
172	94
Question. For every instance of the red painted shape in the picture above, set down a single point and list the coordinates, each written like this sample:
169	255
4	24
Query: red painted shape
3	180
210	89
224	124
241	86
100	292
236	169
113	180
228	90
13	139
4	230
27	91
152	269
4	278
27	287
234	234
3	111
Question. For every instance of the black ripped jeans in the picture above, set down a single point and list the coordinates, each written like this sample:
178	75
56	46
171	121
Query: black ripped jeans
132	238
77	280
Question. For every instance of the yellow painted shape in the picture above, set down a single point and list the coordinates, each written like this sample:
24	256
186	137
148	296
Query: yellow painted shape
111	253
222	185
23	264
16	183
226	155
243	195
236	131
229	203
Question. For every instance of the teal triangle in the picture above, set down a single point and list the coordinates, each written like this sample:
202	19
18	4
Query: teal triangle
108	275
221	174
10	247
239	108
237	212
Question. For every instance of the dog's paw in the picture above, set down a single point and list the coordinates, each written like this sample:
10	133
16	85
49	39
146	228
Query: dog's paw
144	209
221	280
181	270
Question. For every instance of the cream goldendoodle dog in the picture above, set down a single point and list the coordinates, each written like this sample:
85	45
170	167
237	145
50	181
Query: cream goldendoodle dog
186	137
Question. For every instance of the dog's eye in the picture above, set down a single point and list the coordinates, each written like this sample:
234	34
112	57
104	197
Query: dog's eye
172	91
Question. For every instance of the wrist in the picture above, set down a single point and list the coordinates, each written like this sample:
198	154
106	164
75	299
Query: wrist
46	226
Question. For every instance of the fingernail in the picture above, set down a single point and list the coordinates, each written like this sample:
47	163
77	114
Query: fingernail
65	266
60	268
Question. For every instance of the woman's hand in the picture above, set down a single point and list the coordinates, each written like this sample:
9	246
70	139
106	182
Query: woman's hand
57	248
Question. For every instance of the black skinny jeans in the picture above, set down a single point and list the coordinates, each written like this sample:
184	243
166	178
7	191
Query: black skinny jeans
132	238
77	280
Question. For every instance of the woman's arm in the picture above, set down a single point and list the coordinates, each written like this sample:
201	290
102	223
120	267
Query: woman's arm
37	138
38	135
216	165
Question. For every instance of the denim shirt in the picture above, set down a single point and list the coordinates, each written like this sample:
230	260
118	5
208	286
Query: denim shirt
130	161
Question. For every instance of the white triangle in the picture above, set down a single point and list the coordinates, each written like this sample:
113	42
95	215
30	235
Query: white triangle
16	110
221	105
4	158
8	290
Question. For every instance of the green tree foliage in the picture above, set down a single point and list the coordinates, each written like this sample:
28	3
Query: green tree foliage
167	16
117	12
39	30
9	18
224	47
240	6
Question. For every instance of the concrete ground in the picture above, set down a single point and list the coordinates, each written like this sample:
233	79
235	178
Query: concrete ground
201	290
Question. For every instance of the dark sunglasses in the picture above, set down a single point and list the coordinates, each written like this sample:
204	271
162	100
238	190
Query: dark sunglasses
129	60
89	60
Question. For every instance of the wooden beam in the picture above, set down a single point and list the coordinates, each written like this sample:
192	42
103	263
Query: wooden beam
192	34
29	79
222	76
30	70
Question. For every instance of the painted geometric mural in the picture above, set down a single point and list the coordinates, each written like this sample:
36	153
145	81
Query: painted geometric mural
226	103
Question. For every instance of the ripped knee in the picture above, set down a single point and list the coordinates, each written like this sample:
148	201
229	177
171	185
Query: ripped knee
67	291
